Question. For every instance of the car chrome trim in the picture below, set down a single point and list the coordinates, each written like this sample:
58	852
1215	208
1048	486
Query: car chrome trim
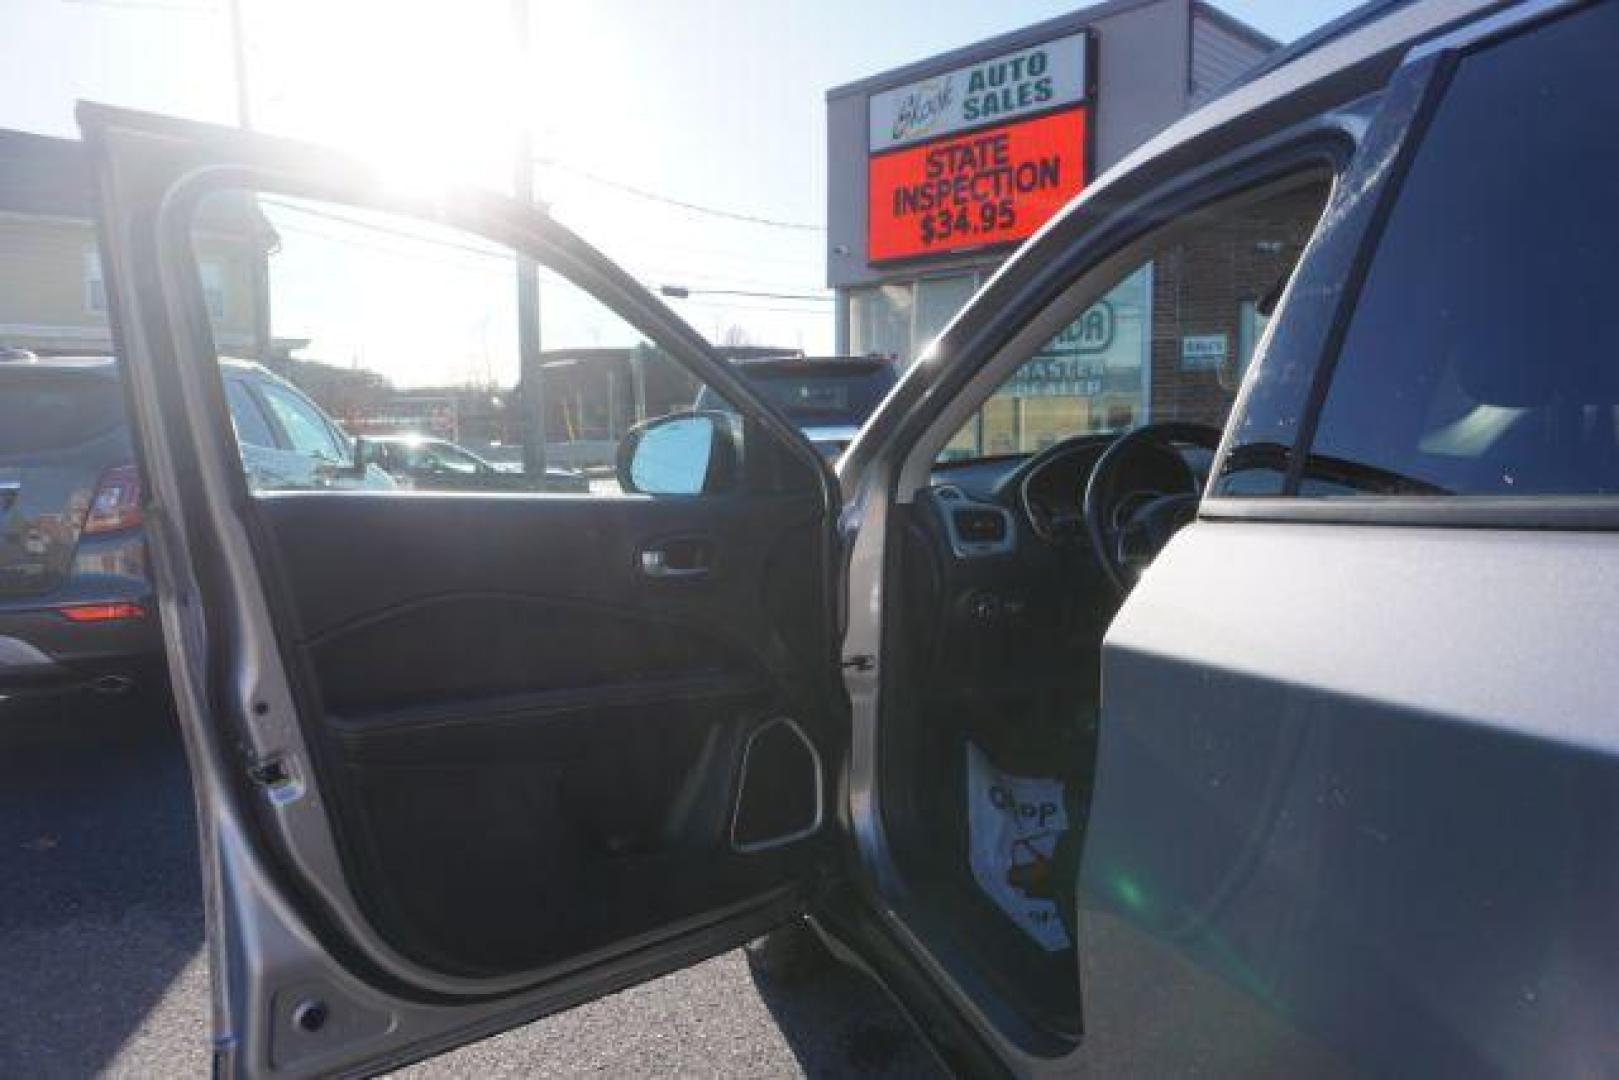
15	653
820	790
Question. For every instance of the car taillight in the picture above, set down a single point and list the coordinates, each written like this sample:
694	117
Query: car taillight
117	502
87	613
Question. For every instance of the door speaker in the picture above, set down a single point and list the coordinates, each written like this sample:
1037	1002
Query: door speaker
780	797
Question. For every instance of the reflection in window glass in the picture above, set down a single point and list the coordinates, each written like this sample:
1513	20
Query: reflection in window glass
1480	360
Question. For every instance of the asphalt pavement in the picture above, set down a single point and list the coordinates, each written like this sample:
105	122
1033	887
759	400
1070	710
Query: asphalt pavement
103	968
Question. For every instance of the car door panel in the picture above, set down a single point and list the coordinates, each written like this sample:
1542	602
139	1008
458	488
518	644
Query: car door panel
541	745
463	747
1404	853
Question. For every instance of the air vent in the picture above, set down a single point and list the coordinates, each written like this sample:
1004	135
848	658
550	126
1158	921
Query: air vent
980	526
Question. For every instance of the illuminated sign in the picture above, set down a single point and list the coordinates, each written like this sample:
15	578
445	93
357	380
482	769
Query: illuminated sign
1037	79
993	186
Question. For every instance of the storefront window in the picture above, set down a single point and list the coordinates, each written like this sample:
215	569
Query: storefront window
880	321
901	320
1090	377
1170	342
937	301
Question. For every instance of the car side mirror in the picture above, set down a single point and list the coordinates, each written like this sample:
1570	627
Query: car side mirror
679	454
330	472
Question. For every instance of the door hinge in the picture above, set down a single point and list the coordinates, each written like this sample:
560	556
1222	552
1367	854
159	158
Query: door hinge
859	663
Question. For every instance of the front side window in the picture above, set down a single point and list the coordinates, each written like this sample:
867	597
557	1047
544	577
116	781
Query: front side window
405	333
1168	342
306	432
1480	357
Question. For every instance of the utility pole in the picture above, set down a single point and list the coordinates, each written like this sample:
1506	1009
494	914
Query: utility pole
257	263
531	376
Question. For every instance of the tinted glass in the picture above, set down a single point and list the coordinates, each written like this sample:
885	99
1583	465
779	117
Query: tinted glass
829	396
304	427
251	427
1480	358
44	411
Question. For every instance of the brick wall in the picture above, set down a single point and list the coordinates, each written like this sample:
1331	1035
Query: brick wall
1199	285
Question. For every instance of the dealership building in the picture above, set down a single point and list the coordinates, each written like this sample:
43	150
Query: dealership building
937	170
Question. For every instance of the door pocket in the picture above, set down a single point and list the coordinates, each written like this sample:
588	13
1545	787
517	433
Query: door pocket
780	798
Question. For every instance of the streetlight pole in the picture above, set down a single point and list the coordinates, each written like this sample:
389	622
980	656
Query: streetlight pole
531	376
257	264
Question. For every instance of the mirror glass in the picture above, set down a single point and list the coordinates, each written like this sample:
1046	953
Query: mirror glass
672	456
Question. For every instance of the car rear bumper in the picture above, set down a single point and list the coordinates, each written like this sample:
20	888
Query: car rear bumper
41	651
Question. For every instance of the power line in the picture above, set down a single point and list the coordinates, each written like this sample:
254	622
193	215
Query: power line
373	234
653	196
683	292
736	308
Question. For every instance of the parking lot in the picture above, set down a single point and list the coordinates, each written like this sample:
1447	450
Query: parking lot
101	939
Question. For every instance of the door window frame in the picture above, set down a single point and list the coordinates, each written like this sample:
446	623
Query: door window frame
1392	143
1032	297
267	689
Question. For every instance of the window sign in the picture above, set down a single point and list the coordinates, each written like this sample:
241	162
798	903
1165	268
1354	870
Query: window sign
1204	352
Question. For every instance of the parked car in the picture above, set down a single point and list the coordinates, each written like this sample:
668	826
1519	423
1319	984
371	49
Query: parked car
1268	706
75	591
828	397
420	462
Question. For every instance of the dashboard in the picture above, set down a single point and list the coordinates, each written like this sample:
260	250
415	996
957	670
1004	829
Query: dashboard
1046	491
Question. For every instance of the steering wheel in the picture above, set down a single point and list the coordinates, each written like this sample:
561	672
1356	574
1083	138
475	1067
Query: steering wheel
1127	528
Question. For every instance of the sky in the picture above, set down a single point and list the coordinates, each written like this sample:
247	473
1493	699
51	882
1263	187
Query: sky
716	103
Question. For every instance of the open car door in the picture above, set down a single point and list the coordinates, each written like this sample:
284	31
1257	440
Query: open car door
462	757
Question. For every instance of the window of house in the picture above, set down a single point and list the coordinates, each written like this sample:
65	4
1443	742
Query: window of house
95	285
212	273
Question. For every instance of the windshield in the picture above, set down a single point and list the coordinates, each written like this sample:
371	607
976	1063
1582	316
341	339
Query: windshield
1170	341
817	393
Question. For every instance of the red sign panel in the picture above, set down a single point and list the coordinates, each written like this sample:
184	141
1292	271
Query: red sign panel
992	186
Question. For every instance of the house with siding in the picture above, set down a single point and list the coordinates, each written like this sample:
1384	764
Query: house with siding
53	295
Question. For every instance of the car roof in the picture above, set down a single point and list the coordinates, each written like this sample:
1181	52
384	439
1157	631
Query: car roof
412	440
109	365
61	363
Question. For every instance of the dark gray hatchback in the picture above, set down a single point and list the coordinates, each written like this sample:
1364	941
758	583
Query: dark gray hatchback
76	606
74	594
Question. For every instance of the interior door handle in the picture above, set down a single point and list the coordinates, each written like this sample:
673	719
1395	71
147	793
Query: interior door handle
677	559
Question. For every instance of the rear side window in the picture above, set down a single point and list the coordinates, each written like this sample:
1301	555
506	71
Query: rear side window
1483	354
41	412
252	429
